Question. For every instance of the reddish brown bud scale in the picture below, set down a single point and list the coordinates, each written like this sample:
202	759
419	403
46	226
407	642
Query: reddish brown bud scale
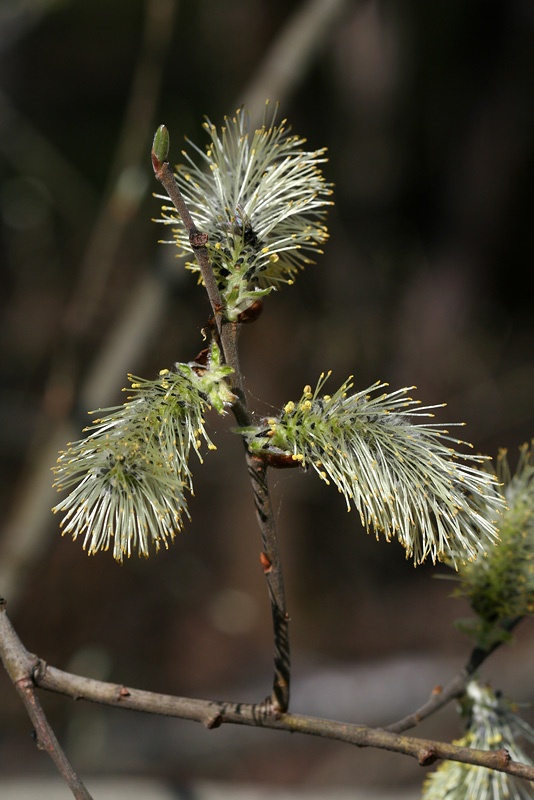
278	460
251	313
265	562
156	163
502	757
202	357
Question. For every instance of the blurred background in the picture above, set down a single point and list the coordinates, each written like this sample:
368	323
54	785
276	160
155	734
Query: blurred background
427	113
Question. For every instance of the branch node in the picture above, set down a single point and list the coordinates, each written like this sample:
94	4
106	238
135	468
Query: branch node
197	239
213	721
502	758
36	740
122	693
251	313
39	670
427	757
270	708
24	684
265	562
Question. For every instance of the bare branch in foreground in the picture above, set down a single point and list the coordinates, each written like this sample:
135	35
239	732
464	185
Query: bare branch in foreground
213	714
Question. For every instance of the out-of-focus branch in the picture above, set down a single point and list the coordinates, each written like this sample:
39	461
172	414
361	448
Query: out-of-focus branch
31	154
291	54
22	539
120	206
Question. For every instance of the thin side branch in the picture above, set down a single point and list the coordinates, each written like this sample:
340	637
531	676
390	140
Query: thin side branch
455	688
270	557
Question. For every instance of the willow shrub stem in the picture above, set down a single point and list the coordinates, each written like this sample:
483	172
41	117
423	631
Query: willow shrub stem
22	665
228	333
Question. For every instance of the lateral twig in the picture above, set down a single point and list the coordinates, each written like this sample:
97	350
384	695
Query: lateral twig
455	688
228	333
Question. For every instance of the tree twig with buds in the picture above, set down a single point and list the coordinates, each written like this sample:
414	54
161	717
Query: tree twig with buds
228	335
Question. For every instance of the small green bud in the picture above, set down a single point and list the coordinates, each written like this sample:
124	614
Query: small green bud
160	147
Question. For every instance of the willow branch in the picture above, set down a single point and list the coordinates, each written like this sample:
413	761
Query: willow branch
213	714
272	568
228	333
455	688
292	52
119	208
22	665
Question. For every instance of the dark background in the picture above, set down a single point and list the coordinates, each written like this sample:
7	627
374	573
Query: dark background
427	113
